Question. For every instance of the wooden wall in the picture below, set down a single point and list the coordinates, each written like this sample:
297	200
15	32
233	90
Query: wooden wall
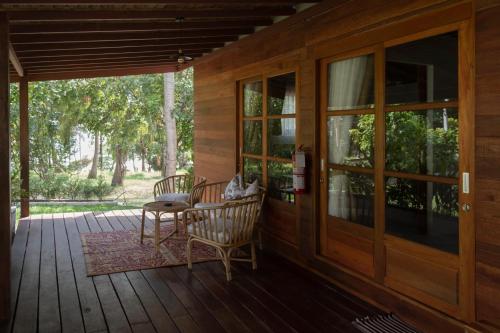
300	41
488	165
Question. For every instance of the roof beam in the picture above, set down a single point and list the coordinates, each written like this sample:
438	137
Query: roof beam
99	15
122	44
26	58
102	66
115	36
106	60
107	26
152	2
103	72
15	61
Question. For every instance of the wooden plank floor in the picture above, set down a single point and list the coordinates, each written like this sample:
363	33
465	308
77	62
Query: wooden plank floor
52	292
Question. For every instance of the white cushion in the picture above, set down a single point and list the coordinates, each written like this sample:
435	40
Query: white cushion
205	205
175	197
235	189
252	188
217	228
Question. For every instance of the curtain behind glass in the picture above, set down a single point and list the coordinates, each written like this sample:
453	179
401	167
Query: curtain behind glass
349	81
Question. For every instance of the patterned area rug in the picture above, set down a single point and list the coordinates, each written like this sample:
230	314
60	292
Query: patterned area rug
121	251
387	323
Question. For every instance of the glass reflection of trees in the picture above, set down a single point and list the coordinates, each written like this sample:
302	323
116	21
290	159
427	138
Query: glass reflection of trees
280	182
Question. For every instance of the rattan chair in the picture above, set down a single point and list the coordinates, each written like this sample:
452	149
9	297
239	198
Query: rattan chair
226	228
214	196
176	184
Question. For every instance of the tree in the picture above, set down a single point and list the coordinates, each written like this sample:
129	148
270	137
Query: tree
170	128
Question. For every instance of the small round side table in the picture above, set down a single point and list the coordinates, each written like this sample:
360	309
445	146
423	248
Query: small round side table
159	208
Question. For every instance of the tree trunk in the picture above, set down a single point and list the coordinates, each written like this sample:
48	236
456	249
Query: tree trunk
170	152
143	157
93	169
119	167
100	153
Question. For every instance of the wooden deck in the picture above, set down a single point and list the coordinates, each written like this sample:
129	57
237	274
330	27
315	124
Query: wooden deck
54	294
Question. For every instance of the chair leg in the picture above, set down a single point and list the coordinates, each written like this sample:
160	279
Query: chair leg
143	221
226	260
189	251
254	256
157	233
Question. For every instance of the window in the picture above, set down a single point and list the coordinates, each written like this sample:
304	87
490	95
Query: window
350	139
421	141
415	175
268	133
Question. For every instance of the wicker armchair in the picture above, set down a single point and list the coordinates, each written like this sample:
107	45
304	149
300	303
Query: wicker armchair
177	184
225	228
214	196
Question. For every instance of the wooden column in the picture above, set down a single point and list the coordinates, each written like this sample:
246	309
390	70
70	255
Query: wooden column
4	170
24	150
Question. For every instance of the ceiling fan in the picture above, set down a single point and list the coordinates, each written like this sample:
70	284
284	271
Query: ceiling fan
180	57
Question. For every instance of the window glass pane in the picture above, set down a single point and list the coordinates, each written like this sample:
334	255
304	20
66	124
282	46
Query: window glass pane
281	137
252	99
423	212
280	182
252	137
351	84
423	71
351	140
252	169
281	94
423	142
350	196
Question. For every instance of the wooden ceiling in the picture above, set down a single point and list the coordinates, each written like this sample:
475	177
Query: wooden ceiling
73	38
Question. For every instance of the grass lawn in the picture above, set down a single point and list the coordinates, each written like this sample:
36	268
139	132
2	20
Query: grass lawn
36	209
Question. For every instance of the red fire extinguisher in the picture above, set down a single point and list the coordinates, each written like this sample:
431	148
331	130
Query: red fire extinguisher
299	171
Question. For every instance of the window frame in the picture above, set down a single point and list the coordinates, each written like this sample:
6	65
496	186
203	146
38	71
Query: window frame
265	117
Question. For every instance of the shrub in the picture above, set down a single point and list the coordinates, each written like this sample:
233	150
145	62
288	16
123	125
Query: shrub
102	188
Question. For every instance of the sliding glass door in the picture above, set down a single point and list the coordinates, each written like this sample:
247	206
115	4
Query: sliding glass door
394	183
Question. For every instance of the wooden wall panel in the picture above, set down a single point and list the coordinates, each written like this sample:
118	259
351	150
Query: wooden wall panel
299	41
488	164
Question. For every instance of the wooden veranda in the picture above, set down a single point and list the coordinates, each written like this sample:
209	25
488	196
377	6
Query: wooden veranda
52	292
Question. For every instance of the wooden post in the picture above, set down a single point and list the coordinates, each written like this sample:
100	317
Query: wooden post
24	146
4	170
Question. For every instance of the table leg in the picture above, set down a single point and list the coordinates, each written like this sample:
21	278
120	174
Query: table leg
143	221
176	222
157	233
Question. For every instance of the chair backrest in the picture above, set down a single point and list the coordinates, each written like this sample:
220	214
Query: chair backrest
196	193
176	184
232	223
214	192
260	197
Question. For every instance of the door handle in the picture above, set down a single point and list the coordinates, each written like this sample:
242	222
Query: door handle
466	207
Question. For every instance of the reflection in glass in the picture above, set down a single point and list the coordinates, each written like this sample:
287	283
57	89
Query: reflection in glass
252	99
252	137
350	196
280	182
423	71
252	169
281	137
281	94
423	212
423	142
351	83
351	140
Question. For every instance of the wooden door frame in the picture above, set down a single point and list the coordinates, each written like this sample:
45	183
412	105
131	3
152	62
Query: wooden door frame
466	106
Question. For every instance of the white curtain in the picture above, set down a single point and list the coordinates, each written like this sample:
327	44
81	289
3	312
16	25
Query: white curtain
347	89
288	125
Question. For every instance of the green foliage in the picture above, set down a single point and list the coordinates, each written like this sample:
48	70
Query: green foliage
65	186
125	111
